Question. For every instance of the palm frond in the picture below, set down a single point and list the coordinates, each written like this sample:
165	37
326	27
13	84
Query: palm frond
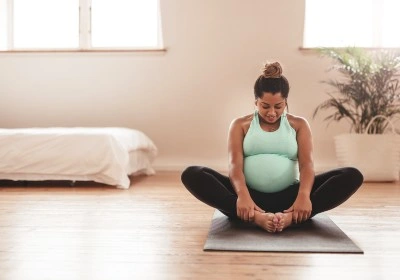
369	86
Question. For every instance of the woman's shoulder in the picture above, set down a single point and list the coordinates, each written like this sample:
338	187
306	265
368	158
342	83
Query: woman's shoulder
245	118
296	121
242	122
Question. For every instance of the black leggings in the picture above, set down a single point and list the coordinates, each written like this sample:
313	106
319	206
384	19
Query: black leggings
330	189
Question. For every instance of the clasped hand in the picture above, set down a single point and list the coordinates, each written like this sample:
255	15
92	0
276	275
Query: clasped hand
245	208
301	209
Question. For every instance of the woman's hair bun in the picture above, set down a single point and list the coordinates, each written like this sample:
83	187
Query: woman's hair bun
272	70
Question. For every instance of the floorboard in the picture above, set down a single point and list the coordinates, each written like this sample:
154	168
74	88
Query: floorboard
156	230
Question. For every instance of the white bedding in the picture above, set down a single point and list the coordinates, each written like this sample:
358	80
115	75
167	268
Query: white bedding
106	155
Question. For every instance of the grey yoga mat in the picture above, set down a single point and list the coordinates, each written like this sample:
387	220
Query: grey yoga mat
318	235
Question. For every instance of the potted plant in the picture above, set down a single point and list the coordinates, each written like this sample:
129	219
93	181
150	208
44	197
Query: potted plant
368	97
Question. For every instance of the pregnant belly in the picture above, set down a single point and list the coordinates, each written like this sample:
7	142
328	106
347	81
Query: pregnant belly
269	173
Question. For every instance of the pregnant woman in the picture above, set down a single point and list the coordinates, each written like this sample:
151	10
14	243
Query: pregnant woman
271	178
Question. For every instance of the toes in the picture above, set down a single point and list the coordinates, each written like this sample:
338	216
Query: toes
271	229
270	226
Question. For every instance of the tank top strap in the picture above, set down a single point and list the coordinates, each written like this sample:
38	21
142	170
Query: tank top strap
254	122
255	117
285	123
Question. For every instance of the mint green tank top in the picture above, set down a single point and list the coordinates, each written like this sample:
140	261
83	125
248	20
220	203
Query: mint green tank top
270	158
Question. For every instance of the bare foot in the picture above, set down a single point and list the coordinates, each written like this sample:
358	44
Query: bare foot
284	220
267	221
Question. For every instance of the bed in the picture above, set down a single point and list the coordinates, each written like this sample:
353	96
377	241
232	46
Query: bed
107	155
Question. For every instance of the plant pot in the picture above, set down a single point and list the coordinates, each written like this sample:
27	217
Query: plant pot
377	156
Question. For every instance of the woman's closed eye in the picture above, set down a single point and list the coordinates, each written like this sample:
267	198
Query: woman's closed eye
277	108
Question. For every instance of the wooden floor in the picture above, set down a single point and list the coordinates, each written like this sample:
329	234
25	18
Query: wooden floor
156	230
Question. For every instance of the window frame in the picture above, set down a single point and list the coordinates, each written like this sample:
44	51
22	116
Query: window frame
84	34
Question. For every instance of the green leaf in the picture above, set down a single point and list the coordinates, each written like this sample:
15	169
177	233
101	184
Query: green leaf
369	86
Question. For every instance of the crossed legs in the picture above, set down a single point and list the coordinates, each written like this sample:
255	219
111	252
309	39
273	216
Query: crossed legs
330	189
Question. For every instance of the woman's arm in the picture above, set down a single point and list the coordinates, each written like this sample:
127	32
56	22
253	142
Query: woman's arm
245	205
235	153
306	162
302	206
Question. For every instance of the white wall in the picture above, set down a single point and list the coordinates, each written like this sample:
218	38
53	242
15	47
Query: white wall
183	99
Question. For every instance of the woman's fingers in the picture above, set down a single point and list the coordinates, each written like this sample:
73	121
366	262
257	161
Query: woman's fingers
302	216
259	209
245	215
288	210
299	217
295	216
240	214
251	215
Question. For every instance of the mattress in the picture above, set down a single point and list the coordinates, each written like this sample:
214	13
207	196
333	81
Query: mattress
106	155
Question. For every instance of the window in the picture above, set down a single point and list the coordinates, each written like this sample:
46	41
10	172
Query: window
361	23
79	24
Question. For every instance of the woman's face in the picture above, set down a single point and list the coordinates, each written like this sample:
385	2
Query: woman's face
271	106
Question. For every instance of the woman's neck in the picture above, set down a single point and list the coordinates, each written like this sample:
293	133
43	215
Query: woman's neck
269	127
